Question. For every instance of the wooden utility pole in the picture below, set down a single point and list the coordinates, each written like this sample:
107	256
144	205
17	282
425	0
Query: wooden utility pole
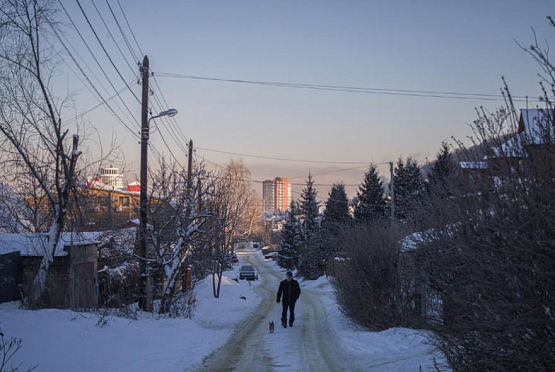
144	180
392	191
190	169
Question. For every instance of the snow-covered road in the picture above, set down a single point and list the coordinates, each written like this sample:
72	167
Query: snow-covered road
225	334
311	345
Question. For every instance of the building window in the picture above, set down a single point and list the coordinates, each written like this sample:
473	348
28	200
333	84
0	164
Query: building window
124	201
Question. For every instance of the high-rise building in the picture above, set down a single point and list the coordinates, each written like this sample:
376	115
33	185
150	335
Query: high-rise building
276	194
268	195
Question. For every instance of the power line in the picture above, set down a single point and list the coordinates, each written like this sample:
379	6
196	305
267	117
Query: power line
118	93
104	101
123	33
104	49
169	149
282	159
349	89
178	128
95	59
168	126
337	170
113	38
169	123
251	180
130	29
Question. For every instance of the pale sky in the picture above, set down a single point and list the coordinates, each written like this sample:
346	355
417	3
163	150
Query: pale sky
453	46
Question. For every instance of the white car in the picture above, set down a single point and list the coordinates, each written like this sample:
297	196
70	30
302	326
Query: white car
248	272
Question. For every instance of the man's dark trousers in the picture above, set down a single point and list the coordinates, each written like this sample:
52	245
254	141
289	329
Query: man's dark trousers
291	307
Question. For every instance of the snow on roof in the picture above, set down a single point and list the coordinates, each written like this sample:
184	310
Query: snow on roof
34	244
535	128
134	183
513	148
473	165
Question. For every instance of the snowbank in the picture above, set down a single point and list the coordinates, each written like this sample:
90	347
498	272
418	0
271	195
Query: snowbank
395	349
63	340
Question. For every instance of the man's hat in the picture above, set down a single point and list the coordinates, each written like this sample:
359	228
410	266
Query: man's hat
289	273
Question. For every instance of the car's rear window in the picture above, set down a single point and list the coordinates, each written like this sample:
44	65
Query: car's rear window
246	268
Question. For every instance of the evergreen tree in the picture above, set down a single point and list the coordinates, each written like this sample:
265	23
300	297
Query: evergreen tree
291	240
337	206
335	217
409	187
309	207
310	260
370	204
443	170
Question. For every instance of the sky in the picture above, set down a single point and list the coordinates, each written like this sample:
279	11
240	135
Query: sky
451	46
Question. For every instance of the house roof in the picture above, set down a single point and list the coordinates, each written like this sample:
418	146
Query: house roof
513	148
34	244
535	127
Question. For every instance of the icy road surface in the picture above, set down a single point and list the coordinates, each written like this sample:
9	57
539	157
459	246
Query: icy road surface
307	346
322	338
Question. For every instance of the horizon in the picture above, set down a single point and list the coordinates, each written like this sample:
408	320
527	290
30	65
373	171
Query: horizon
433	47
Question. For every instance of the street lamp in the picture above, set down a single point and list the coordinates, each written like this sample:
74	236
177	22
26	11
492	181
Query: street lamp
170	112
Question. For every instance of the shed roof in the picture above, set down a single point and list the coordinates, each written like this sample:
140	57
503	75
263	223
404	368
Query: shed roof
34	244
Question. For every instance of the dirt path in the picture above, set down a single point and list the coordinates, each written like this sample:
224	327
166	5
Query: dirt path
308	346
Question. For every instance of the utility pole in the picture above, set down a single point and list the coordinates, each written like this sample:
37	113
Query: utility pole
392	191
190	169
144	180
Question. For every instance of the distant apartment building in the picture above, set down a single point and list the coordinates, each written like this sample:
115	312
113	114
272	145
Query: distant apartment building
111	177
276	194
268	195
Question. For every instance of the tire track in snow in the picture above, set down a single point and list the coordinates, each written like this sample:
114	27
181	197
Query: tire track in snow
310	345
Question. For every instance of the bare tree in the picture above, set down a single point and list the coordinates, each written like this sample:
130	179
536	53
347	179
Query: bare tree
488	252
34	137
228	205
177	225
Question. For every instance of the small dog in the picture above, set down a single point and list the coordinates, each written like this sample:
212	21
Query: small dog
272	327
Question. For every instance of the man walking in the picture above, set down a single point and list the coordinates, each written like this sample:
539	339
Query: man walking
291	291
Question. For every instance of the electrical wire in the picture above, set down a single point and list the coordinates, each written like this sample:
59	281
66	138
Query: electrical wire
167	124
114	39
96	60
167	105
104	101
130	29
123	33
104	49
282	159
169	149
349	89
251	180
170	124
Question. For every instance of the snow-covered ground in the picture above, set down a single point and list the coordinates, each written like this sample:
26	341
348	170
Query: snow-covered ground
395	349
229	333
322	339
62	340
